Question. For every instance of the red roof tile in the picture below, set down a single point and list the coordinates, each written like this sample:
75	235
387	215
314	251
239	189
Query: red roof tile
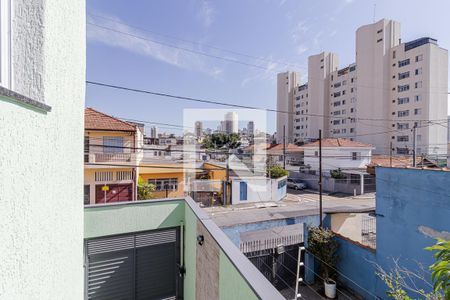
95	120
337	142
289	148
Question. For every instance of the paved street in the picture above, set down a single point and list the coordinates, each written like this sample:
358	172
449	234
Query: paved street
296	203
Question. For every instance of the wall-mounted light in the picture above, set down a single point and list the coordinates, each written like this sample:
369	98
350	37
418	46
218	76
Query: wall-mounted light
200	239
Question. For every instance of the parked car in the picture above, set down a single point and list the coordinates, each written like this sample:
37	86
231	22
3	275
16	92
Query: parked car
295	184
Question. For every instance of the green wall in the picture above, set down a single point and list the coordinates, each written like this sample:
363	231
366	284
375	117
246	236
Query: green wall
117	219
190	248
104	220
231	283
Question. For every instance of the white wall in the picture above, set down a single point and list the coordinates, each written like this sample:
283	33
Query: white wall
259	189
334	158
41	154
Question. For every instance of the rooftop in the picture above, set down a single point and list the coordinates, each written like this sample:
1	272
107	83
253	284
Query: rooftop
419	42
337	142
95	120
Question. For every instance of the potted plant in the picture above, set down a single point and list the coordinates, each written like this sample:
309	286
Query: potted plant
323	246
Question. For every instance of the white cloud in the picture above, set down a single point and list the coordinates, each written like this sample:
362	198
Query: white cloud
299	31
206	13
267	75
301	49
123	37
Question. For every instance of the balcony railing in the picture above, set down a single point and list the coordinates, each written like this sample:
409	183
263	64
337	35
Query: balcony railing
111	158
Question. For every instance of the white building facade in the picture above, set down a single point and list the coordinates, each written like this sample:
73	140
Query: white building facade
42	94
390	89
337	154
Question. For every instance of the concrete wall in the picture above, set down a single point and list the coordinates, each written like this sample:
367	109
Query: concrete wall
234	232
41	154
412	210
259	189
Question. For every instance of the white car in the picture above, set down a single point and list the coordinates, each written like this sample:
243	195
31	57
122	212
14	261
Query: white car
295	184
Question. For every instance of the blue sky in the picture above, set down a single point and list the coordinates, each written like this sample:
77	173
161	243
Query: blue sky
282	33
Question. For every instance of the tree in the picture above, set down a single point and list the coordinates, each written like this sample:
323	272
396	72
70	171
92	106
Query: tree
145	189
276	172
441	268
221	141
400	281
323	246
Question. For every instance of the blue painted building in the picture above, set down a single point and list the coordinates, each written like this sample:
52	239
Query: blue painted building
412	210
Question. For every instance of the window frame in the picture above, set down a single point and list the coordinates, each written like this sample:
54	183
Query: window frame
5	44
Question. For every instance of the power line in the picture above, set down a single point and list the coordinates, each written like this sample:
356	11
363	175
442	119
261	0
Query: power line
214	102
183	48
197	43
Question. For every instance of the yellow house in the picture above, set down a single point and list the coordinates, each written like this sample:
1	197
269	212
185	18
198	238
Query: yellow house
168	179
113	152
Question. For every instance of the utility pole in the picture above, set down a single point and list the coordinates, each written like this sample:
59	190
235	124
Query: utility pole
284	147
227	180
320	177
414	146
390	154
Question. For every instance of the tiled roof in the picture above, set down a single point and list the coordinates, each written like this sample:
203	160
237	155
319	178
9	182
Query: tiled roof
260	146
289	148
95	120
337	142
399	161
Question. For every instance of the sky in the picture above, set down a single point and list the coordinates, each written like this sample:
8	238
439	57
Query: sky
264	37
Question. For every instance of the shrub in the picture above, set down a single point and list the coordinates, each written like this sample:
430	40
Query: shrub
323	246
276	172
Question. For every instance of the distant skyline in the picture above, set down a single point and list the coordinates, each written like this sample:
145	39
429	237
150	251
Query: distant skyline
279	32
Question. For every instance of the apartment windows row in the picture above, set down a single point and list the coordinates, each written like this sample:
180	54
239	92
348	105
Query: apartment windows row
405	100
405	62
405	113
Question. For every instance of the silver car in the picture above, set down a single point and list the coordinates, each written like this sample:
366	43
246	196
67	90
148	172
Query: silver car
295	184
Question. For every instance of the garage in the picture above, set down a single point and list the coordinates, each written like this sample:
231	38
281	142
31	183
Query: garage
134	266
114	193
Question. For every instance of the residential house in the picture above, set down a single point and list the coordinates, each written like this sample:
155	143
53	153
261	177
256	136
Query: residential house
169	179
113	152
337	153
165	249
294	154
42	92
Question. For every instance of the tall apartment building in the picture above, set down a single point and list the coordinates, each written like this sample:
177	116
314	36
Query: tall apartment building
390	89
286	83
198	129
231	122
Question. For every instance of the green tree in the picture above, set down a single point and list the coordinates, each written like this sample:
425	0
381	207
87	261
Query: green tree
276	172
400	281
145	189
441	268
222	141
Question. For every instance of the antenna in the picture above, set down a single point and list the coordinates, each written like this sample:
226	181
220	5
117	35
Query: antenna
374	11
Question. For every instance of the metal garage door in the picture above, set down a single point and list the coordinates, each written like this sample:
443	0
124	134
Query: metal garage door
134	266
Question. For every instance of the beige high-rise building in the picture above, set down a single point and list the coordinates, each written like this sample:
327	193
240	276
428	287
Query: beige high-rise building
286	82
231	122
392	88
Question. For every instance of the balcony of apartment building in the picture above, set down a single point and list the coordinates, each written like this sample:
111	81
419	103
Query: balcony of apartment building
164	249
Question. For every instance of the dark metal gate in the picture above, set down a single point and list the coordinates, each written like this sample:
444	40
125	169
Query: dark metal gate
279	269
134	266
